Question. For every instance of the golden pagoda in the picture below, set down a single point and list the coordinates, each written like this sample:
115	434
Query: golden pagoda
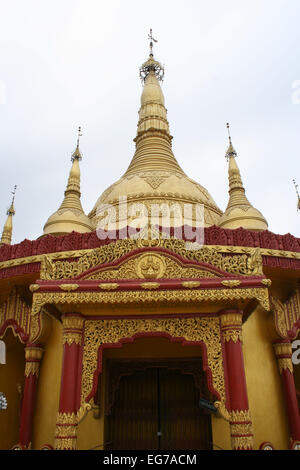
150	341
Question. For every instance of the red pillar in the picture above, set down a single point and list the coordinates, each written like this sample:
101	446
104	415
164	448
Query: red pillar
283	352
240	420
33	356
66	425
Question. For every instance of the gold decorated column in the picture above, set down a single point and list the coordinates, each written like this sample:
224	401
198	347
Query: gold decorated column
240	419
66	425
283	352
33	356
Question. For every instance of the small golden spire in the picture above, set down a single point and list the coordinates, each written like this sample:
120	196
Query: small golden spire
239	211
7	229
70	215
297	192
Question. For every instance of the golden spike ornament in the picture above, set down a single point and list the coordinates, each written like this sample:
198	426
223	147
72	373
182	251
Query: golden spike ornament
298	195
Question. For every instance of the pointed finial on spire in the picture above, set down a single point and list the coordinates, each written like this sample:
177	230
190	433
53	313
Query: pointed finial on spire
7	229
230	151
151	65
297	192
11	210
77	154
151	38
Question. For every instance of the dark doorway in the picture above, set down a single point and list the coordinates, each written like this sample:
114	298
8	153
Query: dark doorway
158	408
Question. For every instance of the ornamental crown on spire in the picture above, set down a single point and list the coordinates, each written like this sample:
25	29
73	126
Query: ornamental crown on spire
151	65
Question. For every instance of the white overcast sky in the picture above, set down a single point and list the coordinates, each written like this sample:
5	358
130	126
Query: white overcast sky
65	63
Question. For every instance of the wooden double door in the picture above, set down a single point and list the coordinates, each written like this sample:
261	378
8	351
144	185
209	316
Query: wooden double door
157	408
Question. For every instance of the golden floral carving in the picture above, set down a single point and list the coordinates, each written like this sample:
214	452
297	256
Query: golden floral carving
71	322
150	266
249	263
150	285
69	287
61	255
66	429
266	282
190	284
98	332
287	314
233	335
242	442
108	285
168	269
231	283
231	319
71	337
240	415
171	296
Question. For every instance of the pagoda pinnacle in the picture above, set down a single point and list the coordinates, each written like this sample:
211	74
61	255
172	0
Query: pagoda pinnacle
298	195
153	140
8	226
239	211
70	215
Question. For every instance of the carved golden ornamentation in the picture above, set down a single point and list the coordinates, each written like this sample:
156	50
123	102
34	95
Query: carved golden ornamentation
231	319
125	297
73	322
69	287
33	352
287	314
66	428
245	264
241	429
98	332
71	337
82	412
32	368
233	335
108	285
150	266
15	308
285	363
34	287
150	285
61	255
266	282
190	284
242	442
166	267
231	283
222	410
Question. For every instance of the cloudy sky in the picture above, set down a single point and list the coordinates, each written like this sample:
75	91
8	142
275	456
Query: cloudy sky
65	63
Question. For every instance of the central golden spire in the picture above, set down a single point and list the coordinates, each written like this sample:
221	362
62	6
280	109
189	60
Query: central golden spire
153	140
154	177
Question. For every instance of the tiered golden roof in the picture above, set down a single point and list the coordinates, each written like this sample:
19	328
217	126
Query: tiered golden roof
70	215
154	175
239	211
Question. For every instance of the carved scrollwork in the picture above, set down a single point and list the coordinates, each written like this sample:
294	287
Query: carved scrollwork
99	332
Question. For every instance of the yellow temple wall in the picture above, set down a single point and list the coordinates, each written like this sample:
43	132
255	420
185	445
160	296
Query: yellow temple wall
266	401
48	390
11	375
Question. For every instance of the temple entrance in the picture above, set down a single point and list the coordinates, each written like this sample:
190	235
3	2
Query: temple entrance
156	406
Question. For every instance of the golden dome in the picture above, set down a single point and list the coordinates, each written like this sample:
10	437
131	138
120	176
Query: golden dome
70	215
154	176
239	211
